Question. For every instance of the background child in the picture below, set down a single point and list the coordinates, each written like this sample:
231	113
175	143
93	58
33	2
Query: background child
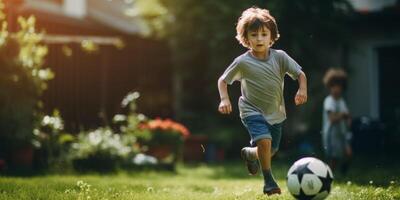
261	72
336	121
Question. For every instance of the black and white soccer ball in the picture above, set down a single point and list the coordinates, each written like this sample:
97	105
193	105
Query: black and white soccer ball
309	178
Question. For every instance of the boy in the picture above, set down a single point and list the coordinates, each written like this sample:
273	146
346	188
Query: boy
336	121
261	72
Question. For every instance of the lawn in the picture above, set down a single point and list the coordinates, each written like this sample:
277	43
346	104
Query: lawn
200	181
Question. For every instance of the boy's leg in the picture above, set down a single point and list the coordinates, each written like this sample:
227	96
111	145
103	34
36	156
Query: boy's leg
264	155
344	168
332	163
258	129
249	155
252	152
347	159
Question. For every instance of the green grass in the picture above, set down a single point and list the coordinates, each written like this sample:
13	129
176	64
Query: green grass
227	181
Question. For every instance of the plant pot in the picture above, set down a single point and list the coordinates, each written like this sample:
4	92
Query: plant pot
160	151
194	148
23	157
97	163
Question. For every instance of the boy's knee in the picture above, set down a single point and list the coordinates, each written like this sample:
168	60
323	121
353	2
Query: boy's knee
264	143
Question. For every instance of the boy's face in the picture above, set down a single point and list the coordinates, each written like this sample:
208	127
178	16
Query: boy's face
259	40
336	91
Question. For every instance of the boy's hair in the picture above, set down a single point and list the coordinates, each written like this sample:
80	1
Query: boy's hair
335	76
253	19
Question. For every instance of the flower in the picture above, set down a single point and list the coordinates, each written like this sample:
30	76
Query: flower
129	98
55	122
166	125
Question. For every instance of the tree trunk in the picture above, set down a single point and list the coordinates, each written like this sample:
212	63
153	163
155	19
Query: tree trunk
177	92
177	79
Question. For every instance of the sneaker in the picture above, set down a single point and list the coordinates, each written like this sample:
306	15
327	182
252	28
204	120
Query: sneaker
252	165
272	191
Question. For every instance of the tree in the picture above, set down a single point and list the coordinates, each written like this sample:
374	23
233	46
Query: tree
201	38
23	78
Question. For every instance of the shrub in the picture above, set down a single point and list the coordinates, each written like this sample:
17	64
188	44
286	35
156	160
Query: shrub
51	142
167	137
101	150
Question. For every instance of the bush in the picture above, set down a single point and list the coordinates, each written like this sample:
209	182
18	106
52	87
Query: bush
101	150
107	148
51	142
167	137
23	78
162	139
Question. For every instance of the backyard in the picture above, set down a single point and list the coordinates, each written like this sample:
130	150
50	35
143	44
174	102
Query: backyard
196	181
129	99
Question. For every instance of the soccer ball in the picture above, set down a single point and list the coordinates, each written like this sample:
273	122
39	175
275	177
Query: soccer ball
309	178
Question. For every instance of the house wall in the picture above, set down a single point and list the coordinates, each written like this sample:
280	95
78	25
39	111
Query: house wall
363	91
88	87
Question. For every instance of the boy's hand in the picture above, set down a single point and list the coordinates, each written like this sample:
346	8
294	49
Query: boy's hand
301	97
349	152
225	106
345	115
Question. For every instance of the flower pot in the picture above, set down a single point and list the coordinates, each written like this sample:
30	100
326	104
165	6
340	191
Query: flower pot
160	151
194	148
98	163
23	157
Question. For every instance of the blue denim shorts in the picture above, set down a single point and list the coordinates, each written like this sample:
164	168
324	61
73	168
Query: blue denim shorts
259	128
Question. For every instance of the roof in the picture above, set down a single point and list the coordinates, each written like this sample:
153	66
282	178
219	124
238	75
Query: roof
113	14
380	14
368	6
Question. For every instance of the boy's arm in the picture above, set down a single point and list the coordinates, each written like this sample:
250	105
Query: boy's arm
338	116
225	106
347	114
301	95
335	116
349	120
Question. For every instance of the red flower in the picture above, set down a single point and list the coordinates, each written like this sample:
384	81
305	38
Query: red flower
166	126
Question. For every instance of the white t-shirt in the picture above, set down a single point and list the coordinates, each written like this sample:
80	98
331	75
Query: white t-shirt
335	136
333	105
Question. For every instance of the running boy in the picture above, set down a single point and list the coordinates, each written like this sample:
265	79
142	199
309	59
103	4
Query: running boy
336	121
261	71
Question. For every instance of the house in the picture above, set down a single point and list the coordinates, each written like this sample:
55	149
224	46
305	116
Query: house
371	59
89	85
